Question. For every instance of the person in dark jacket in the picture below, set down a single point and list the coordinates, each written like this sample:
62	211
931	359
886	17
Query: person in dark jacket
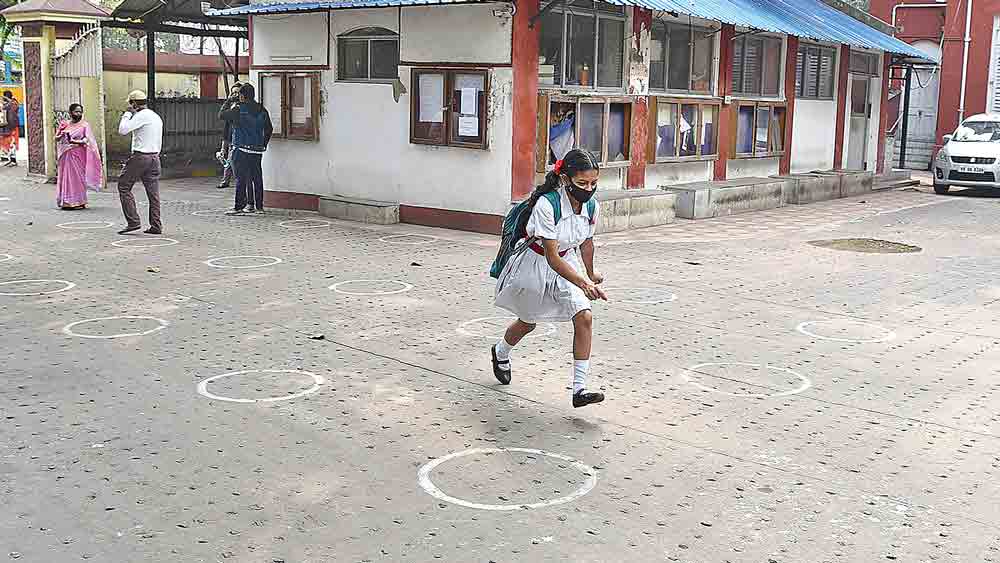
226	154
10	133
251	133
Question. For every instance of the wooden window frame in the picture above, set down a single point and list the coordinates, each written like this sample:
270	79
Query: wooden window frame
800	72
782	54
872	57
545	102
450	109
771	130
286	107
368	40
654	103
665	25
598	15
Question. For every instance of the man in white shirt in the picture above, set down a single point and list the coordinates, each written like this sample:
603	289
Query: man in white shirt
146	129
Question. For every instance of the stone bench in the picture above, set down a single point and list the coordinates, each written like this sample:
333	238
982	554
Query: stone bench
634	209
701	200
852	182
810	188
360	210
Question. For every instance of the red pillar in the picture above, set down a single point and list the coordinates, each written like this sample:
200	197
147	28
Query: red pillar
883	114
785	166
838	143
642	22
727	114
524	60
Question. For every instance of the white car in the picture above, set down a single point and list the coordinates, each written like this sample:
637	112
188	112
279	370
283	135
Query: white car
971	156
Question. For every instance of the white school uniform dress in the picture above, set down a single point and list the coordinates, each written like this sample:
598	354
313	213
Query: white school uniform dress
528	287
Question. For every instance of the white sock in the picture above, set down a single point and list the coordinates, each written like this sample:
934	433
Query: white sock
581	368
503	352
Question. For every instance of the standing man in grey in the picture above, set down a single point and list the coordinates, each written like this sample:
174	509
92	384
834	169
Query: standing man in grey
146	129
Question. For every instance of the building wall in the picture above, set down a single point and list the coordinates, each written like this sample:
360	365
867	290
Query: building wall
813	135
364	149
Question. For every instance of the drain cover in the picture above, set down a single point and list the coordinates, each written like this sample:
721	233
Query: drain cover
867	245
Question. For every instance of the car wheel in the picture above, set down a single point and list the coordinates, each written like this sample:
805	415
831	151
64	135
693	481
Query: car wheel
940	188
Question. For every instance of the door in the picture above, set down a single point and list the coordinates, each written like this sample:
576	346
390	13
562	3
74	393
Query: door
922	125
857	139
993	101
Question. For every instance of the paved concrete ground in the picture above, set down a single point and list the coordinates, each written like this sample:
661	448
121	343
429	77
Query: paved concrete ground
768	400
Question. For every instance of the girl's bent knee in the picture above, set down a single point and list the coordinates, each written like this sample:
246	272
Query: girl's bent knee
585	318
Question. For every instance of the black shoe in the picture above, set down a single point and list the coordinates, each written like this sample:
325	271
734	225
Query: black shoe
129	229
582	398
152	231
502	375
222	186
236	212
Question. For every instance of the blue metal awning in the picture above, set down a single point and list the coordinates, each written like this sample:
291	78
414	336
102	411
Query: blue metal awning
808	19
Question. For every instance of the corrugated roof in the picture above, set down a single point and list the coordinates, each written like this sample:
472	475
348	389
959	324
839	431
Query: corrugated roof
809	19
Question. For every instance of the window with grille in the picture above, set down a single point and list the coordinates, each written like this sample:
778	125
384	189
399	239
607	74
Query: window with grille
757	66
815	72
582	45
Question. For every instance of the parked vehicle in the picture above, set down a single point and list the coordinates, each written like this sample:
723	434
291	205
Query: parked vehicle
970	156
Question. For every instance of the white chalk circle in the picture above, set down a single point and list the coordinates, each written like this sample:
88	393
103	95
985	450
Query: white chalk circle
424	478
85	225
649	295
406	239
126	243
886	336
6	257
403	288
214	262
317	381
13	213
66	286
207	212
805	382
69	329
304	224
467	328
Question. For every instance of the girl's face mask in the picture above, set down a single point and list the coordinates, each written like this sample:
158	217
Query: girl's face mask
583	186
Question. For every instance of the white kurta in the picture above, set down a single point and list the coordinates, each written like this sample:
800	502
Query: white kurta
528	286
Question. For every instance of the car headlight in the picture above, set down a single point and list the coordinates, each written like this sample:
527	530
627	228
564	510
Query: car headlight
942	156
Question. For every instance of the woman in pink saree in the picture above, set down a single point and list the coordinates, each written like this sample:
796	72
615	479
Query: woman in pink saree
80	166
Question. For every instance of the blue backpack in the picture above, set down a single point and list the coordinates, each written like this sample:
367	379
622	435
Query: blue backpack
515	226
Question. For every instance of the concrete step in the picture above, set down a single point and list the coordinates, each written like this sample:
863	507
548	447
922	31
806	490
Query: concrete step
894	185
634	209
360	210
701	200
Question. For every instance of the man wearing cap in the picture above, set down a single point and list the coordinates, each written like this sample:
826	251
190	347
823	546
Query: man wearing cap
146	129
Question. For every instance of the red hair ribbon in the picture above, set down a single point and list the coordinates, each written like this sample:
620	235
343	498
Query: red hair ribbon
559	166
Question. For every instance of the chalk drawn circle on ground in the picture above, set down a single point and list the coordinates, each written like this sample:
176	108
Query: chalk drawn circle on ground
465	330
805	384
395	239
13	213
295	224
6	257
667	296
213	262
66	286
165	240
69	329
404	287
317	382
424	478
887	334
210	212
85	225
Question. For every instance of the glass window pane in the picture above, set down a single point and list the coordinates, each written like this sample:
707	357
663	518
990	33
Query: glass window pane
611	53
744	130
739	45
666	130
709	129
763	122
300	105
701	65
580	44
592	128
428	107
778	129
689	130
385	59
859	96
550	48
353	60
468	123
609	8
562	130
827	69
618	133
679	63
657	64
772	67
270	96
371	32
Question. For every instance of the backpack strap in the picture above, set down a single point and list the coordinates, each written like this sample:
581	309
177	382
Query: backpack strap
556	200
591	209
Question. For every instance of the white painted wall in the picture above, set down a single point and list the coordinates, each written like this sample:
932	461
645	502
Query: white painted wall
752	168
275	37
364	149
659	175
814	134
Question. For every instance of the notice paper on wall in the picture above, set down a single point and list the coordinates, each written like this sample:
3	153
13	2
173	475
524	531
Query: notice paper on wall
468	126
470	101
431	98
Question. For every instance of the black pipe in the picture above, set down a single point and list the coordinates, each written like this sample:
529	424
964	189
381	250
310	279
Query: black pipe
151	67
906	117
